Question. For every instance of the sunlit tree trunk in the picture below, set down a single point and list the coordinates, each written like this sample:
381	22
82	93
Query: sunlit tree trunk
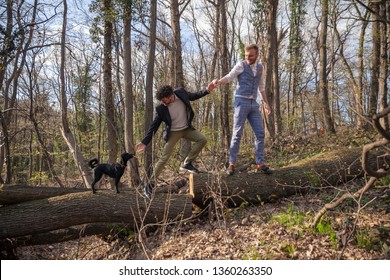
225	124
384	61
178	73
271	12
374	85
149	82
66	132
359	107
112	135
128	95
274	95
329	126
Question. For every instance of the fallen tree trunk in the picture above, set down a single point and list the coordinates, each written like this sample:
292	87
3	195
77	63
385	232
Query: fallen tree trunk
61	235
327	169
55	210
14	194
64	211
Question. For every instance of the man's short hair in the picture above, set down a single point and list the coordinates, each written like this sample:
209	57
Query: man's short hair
252	47
164	91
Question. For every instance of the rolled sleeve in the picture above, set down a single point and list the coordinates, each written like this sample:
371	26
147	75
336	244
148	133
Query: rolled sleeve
262	83
237	70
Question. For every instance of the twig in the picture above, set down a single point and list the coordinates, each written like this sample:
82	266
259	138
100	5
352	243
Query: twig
332	205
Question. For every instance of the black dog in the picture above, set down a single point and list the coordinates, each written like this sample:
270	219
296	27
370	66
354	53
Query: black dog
115	170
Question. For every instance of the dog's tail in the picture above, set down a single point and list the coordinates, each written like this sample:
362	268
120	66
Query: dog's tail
93	162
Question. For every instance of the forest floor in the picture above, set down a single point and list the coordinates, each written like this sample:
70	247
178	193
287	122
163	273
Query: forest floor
279	230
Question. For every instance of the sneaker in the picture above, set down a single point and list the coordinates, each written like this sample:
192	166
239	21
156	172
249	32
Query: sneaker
189	167
230	170
262	168
148	190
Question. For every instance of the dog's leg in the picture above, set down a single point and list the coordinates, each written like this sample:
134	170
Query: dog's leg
93	187
97	176
117	184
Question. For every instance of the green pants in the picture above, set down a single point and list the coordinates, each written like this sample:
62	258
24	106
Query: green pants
189	133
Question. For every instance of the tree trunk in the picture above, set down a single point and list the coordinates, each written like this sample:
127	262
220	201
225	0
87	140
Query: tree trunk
149	83
323	170
34	210
376	45
112	135
225	108
323	73
177	49
65	130
359	105
62	235
129	104
64	211
271	14
178	78
384	63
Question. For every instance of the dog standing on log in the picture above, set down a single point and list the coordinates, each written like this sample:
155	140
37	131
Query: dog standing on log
115	170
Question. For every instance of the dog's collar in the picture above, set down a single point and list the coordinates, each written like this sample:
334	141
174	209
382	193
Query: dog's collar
123	165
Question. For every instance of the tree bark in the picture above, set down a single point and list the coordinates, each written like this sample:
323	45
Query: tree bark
39	209
62	235
323	73
384	63
225	108
149	84
39	216
375	64
109	102
129	104
328	169
65	129
271	14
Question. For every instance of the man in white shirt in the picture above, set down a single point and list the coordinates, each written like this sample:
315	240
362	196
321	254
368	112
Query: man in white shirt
250	76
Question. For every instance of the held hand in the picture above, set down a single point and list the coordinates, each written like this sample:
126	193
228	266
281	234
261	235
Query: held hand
212	86
140	147
215	82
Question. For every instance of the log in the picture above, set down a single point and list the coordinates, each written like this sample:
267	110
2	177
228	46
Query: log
60	208
39	216
61	235
13	194
322	170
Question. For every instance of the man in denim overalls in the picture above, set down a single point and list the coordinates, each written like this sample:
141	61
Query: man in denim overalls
250	76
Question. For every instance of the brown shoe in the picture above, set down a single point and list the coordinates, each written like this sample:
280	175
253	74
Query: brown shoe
262	168
230	169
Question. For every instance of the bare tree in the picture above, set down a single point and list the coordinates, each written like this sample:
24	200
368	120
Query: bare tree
269	9
33	87
374	87
128	80
225	59
177	59
107	80
323	71
270	13
66	132
15	47
384	29
357	82
149	82
176	13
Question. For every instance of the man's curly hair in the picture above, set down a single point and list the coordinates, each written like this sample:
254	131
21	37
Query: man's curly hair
164	91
